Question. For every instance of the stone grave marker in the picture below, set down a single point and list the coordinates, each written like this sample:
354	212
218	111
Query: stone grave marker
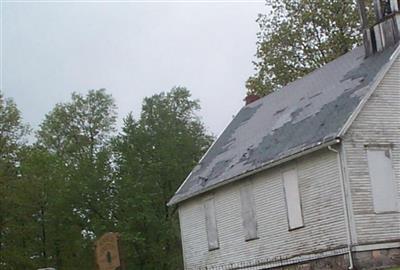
107	252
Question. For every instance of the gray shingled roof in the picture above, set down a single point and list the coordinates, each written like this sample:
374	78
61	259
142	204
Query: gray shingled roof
306	113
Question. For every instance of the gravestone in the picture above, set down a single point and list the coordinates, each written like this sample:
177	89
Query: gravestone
107	252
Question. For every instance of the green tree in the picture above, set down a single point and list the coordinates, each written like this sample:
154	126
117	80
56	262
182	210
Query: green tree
12	129
38	214
12	132
77	134
154	154
299	36
79	181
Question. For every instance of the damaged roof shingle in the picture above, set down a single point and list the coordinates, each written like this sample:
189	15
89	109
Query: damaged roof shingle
305	113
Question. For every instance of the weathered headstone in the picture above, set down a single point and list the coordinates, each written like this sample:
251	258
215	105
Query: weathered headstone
107	252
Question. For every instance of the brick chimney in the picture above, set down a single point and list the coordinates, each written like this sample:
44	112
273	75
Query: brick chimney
250	98
386	31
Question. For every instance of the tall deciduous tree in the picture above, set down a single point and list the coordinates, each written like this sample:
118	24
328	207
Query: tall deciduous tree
299	36
73	184
12	129
78	133
154	154
39	211
12	132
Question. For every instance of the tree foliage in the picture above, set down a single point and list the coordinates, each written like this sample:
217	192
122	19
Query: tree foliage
155	153
78	135
39	212
12	132
80	179
299	36
81	127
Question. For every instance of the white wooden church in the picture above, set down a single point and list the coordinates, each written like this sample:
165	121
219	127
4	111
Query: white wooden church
307	177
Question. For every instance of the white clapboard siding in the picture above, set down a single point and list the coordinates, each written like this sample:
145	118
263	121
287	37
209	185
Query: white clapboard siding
378	123
322	206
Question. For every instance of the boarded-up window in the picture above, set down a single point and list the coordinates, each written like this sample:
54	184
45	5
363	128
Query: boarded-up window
248	212
211	224
381	174
292	195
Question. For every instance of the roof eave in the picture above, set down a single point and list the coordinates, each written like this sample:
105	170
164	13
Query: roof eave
268	165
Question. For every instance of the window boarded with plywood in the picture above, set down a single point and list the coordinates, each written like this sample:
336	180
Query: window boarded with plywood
293	202
211	224
248	211
381	175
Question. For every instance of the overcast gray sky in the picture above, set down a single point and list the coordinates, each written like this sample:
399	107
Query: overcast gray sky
131	49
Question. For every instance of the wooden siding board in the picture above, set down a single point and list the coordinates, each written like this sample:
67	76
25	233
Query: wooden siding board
323	213
377	123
